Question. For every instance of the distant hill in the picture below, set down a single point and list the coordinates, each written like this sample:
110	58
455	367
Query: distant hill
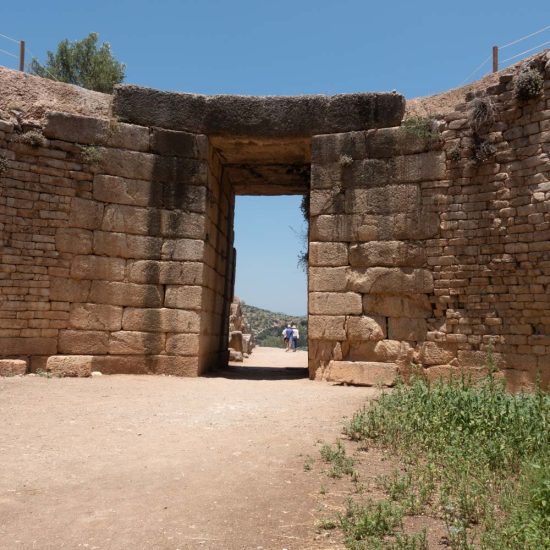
267	326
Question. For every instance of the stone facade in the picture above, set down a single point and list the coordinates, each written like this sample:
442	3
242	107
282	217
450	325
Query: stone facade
117	237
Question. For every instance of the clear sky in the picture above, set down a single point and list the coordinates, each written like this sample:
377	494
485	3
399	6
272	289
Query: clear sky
284	47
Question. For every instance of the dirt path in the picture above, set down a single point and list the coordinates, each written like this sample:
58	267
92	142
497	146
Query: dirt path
120	462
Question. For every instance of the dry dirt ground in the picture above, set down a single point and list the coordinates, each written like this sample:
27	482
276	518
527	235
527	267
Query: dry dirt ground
138	462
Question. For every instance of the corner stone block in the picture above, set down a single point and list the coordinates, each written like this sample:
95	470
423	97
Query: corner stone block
95	317
13	367
128	164
183	249
85	214
366	328
387	254
335	303
328	254
417	168
410	330
415	307
329	148
113	189
179	144
390	142
362	373
336	228
386	199
183	297
134	342
70	365
327	279
98	267
73	240
126	294
383	280
161	320
327	327
182	344
83	342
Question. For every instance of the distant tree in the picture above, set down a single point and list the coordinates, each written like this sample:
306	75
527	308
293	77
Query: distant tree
82	63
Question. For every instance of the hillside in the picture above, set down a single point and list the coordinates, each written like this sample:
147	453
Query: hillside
267	326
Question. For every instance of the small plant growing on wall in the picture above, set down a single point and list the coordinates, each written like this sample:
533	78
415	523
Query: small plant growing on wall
345	160
482	112
34	138
528	84
420	127
482	149
454	153
3	165
90	154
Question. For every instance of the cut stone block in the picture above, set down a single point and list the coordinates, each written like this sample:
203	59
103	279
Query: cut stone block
361	373
410	330
83	342
366	328
135	342
13	367
328	254
161	320
70	365
327	327
434	353
183	297
95	317
387	254
418	306
335	303
327	279
125	294
384	280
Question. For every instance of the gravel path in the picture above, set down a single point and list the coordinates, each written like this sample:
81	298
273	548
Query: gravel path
137	462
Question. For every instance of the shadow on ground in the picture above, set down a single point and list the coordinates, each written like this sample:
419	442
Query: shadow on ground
259	373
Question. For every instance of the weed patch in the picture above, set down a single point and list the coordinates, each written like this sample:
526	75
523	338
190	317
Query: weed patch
336	456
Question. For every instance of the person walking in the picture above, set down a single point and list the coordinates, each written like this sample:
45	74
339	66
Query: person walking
287	337
295	337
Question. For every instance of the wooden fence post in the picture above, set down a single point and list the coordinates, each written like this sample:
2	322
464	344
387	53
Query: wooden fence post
495	59
22	55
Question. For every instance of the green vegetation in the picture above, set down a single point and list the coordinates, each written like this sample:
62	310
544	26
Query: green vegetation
90	154
476	457
82	63
420	127
3	164
268	326
336	456
34	138
482	112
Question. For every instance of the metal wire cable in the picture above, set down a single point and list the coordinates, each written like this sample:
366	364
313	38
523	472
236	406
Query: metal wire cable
10	38
524	37
9	53
476	70
526	51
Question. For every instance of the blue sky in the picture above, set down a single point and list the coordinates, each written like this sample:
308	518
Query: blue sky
282	47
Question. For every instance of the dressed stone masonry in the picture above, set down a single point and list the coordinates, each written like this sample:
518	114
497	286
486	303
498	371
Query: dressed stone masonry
117	233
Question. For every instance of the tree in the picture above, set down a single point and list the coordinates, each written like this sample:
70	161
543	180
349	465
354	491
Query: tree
82	63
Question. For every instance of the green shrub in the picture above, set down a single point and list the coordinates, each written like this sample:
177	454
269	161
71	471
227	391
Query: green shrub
90	154
341	464
34	138
420	127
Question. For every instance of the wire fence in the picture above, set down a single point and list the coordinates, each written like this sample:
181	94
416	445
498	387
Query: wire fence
502	64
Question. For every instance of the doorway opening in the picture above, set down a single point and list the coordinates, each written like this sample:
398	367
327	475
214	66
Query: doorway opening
267	325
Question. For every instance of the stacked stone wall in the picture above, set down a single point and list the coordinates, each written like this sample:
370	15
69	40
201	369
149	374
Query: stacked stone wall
106	261
435	250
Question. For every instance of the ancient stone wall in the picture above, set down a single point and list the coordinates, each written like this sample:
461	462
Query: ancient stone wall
435	250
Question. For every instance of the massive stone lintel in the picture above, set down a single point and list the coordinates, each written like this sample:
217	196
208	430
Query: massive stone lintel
257	116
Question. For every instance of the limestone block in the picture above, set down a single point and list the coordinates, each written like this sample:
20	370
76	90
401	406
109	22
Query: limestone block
326	201
123	364
386	351
113	189
327	279
183	249
386	199
69	290
335	303
188	225
410	330
417	168
362	373
84	213
154	272
365	173
95	317
83	342
98	267
160	320
332	228
441	372
131	219
182	344
391	142
384	280
320	353
128	164
73	240
169	169
135	342
387	254
328	254
432	353
329	148
416	306
179	195
235	356
412	226
471	358
125	294
183	297
122	245
70	365
366	328
179	144
327	327
13	367
27	346
175	366
96	131
236	340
